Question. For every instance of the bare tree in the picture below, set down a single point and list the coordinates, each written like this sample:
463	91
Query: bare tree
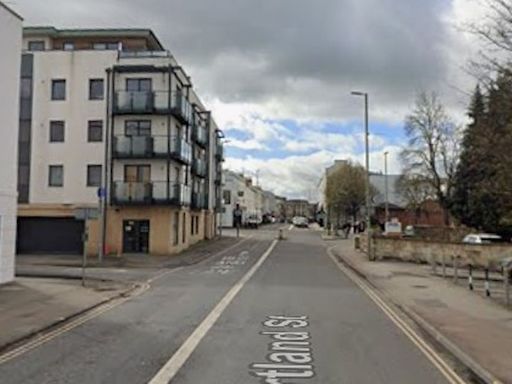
495	32
433	147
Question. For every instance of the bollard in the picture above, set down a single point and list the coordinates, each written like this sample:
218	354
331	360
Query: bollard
280	236
444	266
470	277
487	287
455	270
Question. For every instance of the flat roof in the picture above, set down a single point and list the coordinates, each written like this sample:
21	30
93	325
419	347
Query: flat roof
94	32
10	11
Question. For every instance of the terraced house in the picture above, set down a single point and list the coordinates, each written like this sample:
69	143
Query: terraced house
111	120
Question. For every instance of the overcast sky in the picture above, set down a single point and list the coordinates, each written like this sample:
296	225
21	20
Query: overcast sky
277	74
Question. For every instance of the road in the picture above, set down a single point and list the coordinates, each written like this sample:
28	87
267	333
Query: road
289	316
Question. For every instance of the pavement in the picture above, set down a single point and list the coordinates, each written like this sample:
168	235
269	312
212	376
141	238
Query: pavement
260	311
478	330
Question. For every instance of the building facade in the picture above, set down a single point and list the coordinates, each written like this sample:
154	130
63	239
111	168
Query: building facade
114	124
10	46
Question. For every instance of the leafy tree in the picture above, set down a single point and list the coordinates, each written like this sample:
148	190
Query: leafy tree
345	192
433	147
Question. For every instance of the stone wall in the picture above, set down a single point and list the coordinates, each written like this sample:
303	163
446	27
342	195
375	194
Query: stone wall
413	250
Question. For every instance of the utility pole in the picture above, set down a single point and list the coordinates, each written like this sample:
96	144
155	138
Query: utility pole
367	147
386	183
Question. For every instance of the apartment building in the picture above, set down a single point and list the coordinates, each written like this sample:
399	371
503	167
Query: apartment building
112	122
10	46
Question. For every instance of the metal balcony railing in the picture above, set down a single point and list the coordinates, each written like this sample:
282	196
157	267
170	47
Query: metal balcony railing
150	193
199	167
181	150
136	102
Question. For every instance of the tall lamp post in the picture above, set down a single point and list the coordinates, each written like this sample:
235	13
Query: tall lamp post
386	183
367	146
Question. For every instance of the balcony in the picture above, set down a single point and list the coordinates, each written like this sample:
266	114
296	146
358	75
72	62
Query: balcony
181	150
153	103
199	200
147	147
150	193
181	108
140	147
199	167
199	132
219	153
130	102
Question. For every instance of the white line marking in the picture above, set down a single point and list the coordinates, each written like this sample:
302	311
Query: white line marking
291	227
169	370
427	350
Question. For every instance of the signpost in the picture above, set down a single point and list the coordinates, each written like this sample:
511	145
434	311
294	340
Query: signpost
85	214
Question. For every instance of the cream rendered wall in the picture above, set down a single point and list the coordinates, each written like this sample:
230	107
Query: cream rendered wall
76	67
10	46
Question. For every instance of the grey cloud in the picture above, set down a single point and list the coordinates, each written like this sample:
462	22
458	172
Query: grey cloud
303	54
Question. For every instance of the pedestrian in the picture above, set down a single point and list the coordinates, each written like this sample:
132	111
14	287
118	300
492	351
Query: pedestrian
237	219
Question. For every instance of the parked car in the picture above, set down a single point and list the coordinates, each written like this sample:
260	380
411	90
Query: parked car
253	221
300	222
482	238
409	231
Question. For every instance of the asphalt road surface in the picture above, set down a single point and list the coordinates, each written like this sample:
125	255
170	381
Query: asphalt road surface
286	316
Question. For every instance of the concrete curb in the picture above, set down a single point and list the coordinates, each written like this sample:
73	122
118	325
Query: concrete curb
19	341
450	346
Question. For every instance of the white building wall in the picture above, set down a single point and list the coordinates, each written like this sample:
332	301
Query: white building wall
76	67
10	46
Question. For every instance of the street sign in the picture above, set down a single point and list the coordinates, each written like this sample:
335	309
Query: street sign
87	213
101	193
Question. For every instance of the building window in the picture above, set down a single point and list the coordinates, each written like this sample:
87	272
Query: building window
176	222
56	131
58	89
56	175
227	197
95	131
96	89
68	46
105	46
184	232
36	45
137	128
94	175
192	222
240	193
139	85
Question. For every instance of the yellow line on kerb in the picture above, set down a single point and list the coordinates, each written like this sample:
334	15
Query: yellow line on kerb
427	350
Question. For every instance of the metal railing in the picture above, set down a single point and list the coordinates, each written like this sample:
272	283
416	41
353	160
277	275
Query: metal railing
153	102
152	146
151	193
199	167
181	150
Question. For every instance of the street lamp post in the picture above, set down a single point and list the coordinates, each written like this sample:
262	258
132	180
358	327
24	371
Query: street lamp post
386	184
367	147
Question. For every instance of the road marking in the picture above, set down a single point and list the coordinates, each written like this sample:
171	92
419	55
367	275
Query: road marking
290	227
427	350
45	337
169	370
290	355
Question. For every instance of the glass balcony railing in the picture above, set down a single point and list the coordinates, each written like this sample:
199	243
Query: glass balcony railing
199	167
199	200
181	108
151	193
181	150
139	146
219	153
132	193
199	131
140	102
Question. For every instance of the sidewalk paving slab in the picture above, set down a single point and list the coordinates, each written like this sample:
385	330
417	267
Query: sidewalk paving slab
478	326
30	305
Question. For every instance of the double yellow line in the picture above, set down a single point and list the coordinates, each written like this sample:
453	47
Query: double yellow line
428	351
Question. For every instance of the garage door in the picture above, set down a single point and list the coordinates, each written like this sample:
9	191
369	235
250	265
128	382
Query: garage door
49	235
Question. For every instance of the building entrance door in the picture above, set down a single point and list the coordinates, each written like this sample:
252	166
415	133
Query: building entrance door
136	236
